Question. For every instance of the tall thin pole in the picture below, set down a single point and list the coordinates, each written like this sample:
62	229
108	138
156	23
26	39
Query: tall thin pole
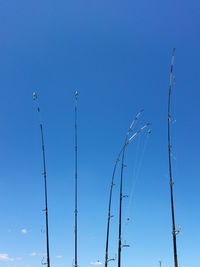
120	209
109	210
120	213
127	141
111	189
45	181
121	195
76	211
170	168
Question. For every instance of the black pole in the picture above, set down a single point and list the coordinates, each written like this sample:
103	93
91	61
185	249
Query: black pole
121	194
120	205
120	212
170	168
111	187
109	209
76	211
45	183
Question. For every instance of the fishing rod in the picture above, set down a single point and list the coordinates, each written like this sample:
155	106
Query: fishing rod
35	97
76	210
121	193
174	232
111	189
138	163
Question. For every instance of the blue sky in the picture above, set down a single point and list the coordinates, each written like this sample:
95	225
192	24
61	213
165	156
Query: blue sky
117	54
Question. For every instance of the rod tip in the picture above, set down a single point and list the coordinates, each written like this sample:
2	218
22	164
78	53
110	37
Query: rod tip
34	95
76	94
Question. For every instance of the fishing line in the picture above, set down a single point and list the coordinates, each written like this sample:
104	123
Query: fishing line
134	171
134	181
130	194
127	141
136	161
142	155
137	170
121	193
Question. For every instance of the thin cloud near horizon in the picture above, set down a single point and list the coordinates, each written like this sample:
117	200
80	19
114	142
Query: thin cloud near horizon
5	257
96	263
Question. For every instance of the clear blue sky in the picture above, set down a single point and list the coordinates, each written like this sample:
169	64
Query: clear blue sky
117	54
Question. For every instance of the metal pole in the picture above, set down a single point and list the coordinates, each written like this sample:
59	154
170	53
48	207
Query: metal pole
76	211
170	168
45	182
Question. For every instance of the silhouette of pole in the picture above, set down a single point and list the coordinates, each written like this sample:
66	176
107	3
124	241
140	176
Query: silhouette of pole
45	180
76	211
120	212
127	141
111	189
170	168
121	194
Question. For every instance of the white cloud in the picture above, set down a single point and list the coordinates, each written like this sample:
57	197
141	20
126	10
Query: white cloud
59	257
33	254
24	231
4	257
96	263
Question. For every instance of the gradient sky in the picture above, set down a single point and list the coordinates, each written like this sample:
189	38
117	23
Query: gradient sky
118	55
